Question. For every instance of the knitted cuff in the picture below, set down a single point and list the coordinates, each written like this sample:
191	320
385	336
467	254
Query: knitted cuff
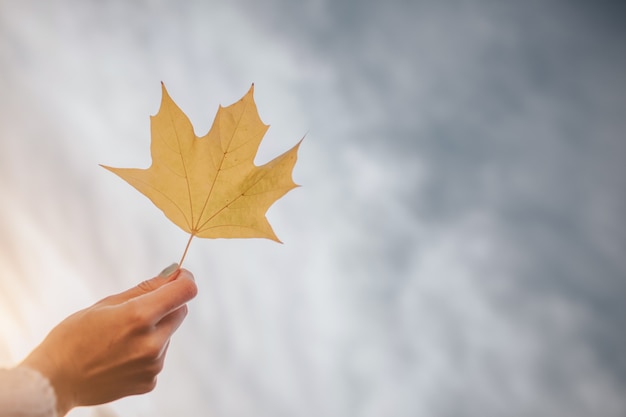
24	392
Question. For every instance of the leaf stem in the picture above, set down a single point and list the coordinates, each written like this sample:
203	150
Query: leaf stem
180	264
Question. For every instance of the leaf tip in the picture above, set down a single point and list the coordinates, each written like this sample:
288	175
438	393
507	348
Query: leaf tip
164	92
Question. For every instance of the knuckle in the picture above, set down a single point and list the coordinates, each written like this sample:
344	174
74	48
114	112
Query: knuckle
152	349
149	384
188	286
183	311
193	290
157	366
147	285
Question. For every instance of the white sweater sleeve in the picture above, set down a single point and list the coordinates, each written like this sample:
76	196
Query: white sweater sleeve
25	393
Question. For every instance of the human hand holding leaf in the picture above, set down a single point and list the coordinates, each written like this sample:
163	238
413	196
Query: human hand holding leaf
209	186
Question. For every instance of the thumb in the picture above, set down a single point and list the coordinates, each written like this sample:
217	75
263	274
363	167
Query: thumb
168	274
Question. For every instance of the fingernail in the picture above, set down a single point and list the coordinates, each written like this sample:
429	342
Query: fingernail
169	270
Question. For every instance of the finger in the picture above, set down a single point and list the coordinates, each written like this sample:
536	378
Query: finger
168	297
168	274
171	322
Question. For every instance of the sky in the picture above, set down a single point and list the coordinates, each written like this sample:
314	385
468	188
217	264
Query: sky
456	248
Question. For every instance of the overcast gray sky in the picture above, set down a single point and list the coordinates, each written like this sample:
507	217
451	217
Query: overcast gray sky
457	248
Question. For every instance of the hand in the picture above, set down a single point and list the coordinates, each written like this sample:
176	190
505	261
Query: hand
116	347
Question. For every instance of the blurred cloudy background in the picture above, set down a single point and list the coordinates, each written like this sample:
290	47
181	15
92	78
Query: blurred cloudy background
458	247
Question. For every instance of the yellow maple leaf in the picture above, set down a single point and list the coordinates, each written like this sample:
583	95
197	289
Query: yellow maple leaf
209	186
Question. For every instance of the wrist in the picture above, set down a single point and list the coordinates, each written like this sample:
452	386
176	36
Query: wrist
45	366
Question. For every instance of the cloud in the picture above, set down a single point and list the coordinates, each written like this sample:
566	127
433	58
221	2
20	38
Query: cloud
456	249
493	130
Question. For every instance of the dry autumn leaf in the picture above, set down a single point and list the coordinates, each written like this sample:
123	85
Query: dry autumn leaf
209	186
